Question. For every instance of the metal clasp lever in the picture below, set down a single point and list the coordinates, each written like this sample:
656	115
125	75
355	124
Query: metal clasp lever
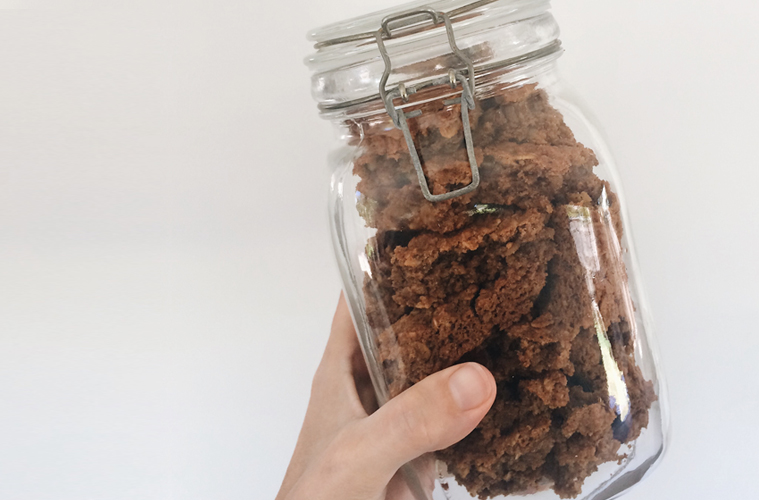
454	77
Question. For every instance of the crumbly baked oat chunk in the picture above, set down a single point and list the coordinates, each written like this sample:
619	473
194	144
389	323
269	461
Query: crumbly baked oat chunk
523	275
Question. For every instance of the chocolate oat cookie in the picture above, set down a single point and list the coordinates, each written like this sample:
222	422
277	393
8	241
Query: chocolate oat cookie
524	275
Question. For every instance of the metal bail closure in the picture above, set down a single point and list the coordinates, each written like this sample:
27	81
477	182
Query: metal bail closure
453	78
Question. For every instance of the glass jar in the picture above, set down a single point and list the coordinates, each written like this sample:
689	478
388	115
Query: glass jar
477	216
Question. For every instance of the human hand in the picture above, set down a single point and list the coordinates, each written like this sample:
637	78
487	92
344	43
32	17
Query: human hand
343	453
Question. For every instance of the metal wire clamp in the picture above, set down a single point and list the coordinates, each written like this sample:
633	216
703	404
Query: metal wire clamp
453	78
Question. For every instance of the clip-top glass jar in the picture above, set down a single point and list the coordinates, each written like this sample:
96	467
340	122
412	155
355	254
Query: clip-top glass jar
477	216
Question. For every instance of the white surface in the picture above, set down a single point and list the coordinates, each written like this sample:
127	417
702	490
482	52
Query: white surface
166	280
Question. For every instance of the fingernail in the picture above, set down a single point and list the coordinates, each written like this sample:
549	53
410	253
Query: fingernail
470	386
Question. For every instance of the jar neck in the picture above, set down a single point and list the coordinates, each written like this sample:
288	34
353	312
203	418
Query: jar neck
353	122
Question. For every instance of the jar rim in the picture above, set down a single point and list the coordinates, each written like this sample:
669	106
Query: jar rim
364	27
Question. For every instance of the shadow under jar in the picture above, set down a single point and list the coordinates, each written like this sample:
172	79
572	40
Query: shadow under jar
476	216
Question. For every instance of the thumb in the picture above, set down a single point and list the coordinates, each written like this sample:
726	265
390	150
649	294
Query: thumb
433	414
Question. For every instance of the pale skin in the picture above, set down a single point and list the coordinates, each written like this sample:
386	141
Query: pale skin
348	451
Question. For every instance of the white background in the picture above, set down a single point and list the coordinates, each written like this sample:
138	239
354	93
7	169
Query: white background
166	278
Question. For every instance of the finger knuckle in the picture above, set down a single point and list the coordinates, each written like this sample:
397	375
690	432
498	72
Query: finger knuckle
414	424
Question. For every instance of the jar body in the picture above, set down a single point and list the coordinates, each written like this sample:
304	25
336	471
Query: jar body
532	275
